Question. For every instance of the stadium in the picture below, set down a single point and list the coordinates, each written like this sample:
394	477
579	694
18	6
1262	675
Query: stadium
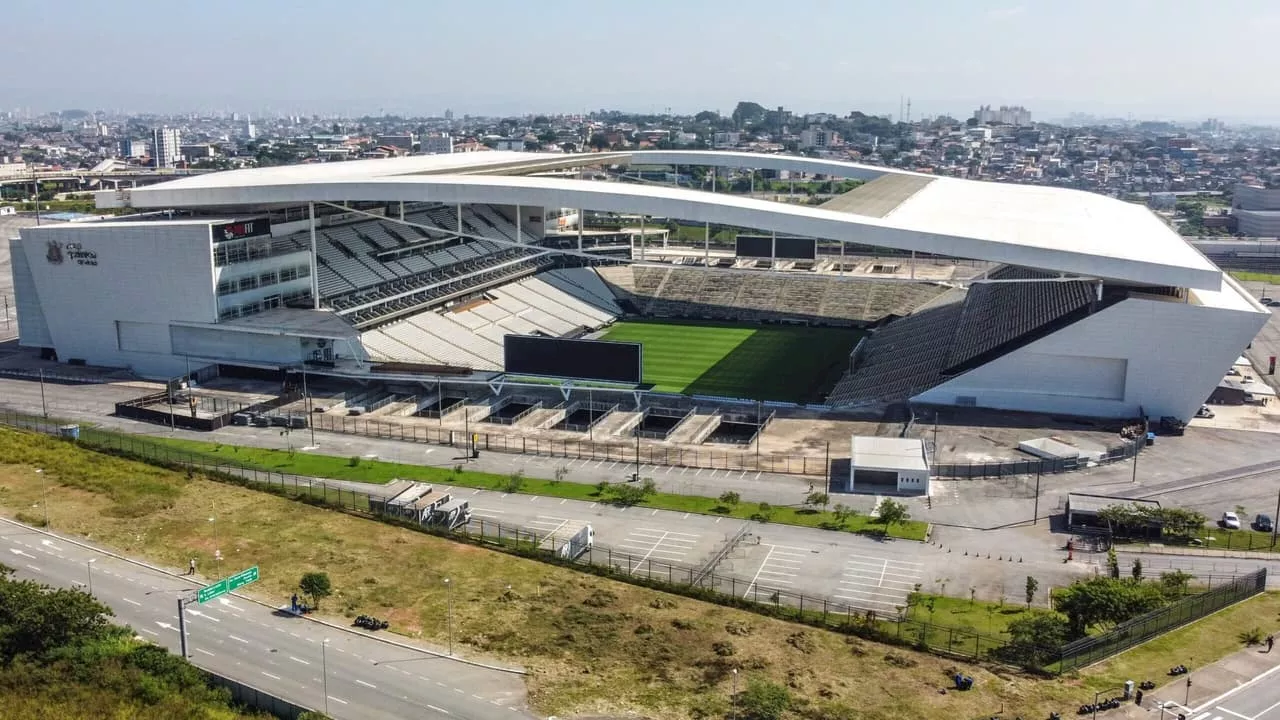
523	277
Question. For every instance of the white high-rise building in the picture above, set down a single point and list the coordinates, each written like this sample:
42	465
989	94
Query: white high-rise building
166	146
1006	115
250	130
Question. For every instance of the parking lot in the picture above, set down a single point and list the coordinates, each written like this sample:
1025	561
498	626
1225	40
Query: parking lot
859	571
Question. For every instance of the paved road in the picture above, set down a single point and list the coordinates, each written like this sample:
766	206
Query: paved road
1257	700
272	651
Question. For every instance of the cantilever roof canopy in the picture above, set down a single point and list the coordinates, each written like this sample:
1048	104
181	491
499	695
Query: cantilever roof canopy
1053	229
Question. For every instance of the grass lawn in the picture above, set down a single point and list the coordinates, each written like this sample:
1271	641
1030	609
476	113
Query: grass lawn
1269	278
648	653
987	618
770	362
377	471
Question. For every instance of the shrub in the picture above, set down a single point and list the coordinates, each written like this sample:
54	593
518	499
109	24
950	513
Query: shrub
763	700
1252	636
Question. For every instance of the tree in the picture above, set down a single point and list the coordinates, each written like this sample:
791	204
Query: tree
1034	639
892	513
1113	564
599	141
1174	583
36	619
843	513
1032	585
1136	570
763	700
1106	601
316	585
817	498
763	513
729	499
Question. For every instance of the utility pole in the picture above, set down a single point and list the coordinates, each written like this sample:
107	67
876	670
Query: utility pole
306	404
637	457
1274	519
44	485
324	674
449	591
89	568
1035	514
1137	450
43	405
182	628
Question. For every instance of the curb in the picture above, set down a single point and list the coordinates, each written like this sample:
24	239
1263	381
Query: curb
326	623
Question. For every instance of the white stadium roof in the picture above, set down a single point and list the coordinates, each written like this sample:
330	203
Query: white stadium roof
1041	227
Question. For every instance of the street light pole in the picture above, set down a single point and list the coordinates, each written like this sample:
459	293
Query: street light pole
306	404
89	567
44	407
44	484
324	674
733	699
449	591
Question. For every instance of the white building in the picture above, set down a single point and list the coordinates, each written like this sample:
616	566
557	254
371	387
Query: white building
1257	210
133	149
1005	115
436	144
877	464
724	139
166	144
817	137
1087	314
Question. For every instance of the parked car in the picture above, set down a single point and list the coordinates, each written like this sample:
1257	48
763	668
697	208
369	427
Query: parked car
1204	412
1230	521
1262	523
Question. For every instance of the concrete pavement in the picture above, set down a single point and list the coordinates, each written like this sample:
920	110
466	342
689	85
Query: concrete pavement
1241	686
346	674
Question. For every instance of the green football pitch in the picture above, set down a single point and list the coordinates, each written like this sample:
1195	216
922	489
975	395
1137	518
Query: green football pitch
760	362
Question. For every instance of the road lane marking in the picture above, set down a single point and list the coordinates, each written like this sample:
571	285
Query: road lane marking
1233	712
460	691
33	567
150	632
299	660
206	652
238	639
16	551
338	700
368	685
442	711
132	602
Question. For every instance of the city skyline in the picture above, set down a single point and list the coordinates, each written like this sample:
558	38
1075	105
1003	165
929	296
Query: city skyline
1116	59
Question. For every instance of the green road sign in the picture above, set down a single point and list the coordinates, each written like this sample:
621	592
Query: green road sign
210	592
242	578
226	585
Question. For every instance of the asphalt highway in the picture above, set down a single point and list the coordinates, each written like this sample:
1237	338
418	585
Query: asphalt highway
346	674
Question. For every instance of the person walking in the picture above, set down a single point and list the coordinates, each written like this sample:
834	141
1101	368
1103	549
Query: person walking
1271	641
191	566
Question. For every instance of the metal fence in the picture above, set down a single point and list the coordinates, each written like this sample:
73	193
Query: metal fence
1089	650
619	451
698	582
1046	466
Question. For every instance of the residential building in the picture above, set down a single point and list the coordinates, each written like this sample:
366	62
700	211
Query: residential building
1006	115
437	144
817	137
166	146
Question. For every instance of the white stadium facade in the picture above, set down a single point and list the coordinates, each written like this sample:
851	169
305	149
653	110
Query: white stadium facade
1077	304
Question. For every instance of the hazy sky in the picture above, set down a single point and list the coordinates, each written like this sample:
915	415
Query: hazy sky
1148	58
